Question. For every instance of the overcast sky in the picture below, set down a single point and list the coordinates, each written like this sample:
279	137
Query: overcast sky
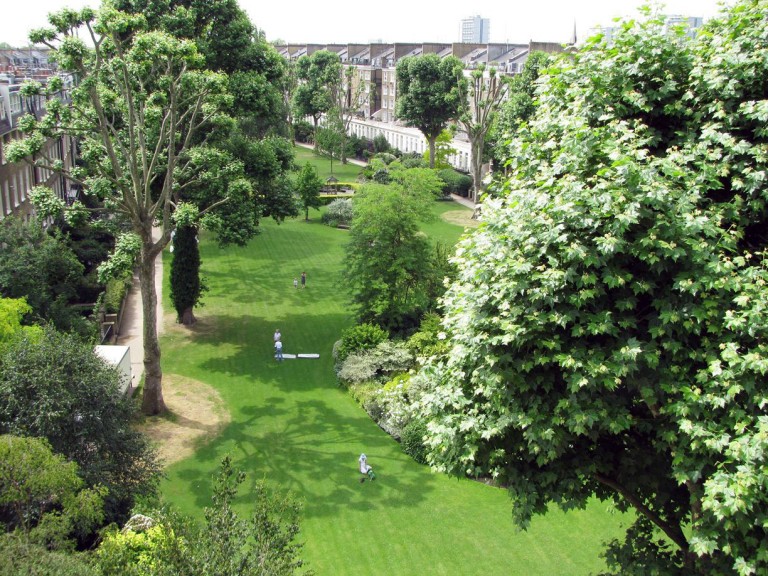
332	21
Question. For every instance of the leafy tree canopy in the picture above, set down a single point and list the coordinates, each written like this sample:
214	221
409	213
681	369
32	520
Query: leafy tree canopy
429	94
319	78
308	186
55	387
607	331
479	107
144	107
41	269
520	102
42	496
268	164
12	313
389	265
443	150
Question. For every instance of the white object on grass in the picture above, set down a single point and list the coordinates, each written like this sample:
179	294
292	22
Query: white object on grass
309	355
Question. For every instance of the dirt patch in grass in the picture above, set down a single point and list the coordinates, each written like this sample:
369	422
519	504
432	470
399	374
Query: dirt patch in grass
204	325
461	218
196	415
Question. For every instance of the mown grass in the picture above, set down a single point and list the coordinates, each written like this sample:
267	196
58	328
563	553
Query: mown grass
292	425
342	172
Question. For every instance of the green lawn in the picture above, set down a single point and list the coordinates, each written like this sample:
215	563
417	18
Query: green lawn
293	425
342	172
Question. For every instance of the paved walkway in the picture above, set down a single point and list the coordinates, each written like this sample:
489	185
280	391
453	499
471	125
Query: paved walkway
463	201
132	326
350	160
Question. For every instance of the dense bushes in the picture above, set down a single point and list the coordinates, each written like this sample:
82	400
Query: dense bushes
365	372
339	212
357	338
55	387
357	146
380	144
41	267
377	372
114	293
378	378
413	160
367	364
455	182
412	441
226	543
427	340
21	558
303	131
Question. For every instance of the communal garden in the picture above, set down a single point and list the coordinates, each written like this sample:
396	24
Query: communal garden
293	425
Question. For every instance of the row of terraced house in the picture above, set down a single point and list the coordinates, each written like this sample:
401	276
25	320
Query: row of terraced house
17	179
374	67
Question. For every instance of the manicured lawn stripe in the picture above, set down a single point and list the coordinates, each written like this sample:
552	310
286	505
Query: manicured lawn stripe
293	425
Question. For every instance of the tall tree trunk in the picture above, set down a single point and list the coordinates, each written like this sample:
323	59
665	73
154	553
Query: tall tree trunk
476	166
343	145
431	151
152	401
315	120
188	316
291	130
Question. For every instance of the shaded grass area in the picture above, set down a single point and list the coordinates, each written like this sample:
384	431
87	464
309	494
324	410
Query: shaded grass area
292	425
343	172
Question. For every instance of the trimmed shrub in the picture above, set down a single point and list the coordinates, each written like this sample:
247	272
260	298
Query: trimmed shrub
359	367
393	357
412	441
339	212
358	338
380	144
115	291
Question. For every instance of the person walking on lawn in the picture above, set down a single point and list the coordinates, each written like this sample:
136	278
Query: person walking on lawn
303	279
365	468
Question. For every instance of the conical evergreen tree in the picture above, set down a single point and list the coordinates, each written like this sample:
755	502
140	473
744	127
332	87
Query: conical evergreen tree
186	286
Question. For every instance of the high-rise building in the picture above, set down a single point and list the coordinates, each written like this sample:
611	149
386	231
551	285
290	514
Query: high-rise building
475	30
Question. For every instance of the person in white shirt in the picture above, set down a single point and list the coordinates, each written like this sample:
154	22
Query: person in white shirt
366	468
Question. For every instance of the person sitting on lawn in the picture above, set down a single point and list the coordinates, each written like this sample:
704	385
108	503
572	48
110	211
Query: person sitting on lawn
365	468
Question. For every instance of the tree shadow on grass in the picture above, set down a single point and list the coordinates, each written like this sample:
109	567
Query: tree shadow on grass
249	345
310	449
